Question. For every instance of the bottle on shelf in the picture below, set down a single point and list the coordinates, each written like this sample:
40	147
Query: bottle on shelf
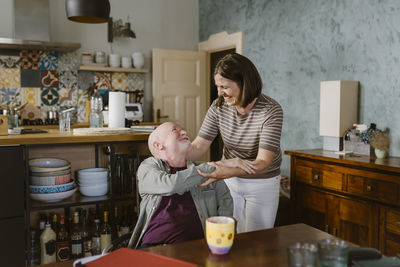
35	249
96	245
76	238
42	223
48	245
105	236
96	110
54	223
116	221
62	247
124	226
86	240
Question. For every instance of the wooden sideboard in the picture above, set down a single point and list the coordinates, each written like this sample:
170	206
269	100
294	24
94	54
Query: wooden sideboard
356	198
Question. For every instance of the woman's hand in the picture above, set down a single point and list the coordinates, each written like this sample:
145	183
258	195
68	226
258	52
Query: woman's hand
246	165
220	172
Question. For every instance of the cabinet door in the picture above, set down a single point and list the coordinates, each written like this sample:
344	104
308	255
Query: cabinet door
311	207
12	242
390	232
357	222
12	170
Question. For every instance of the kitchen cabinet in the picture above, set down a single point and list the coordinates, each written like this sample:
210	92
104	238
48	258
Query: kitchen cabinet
355	198
12	178
81	151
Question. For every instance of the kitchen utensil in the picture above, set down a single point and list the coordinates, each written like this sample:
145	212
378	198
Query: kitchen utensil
53	197
48	164
48	189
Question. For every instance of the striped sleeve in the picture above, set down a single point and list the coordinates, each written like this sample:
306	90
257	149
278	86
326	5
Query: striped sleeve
272	129
209	128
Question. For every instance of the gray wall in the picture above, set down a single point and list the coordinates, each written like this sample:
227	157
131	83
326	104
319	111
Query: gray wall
298	44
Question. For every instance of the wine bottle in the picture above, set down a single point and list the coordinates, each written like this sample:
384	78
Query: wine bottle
96	245
54	223
105	237
62	247
76	238
86	240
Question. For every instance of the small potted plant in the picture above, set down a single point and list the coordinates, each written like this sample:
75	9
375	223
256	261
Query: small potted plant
380	140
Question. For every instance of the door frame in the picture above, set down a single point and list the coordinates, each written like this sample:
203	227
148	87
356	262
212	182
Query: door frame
215	43
219	42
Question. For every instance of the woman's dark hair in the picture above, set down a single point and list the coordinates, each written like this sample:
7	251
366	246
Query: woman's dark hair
242	71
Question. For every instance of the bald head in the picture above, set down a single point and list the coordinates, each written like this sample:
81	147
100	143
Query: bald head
169	140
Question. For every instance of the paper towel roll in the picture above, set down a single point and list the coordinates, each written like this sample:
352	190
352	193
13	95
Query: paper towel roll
116	110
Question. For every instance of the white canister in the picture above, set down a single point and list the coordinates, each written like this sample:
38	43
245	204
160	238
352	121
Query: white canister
100	57
138	60
114	60
126	62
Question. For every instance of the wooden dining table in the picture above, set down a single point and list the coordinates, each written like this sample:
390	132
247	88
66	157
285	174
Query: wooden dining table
258	248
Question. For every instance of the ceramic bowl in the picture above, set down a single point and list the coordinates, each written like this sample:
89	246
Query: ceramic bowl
92	174
53	197
51	180
94	190
48	189
86	182
55	173
48	165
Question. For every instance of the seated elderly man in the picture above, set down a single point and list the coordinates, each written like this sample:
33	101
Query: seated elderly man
173	207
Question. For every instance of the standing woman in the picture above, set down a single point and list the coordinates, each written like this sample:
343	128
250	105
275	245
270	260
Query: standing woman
250	124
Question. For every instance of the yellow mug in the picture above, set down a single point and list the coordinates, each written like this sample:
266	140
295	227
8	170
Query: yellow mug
220	232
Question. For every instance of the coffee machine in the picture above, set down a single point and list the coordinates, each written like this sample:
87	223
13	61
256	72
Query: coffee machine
133	107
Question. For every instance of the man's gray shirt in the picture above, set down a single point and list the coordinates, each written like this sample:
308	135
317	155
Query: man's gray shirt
155	181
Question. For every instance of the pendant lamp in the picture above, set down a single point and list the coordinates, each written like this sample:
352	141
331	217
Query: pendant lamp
88	11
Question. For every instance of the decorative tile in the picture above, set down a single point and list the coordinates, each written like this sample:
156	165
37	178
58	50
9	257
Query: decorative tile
85	79
68	97
119	80
68	79
102	80
31	95
9	61
82	97
49	97
30	78
30	59
10	78
81	114
68	61
49	60
10	96
135	81
31	113
49	78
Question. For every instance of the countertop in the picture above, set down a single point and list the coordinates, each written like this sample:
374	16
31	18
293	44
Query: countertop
53	136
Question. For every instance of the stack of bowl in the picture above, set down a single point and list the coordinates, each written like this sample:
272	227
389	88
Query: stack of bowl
93	182
50	179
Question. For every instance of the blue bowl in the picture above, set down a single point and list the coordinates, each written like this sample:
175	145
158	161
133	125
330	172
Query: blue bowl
48	189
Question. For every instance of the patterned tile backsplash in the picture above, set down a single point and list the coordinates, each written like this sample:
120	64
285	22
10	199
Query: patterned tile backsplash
50	80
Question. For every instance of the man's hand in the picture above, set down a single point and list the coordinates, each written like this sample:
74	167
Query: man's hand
220	172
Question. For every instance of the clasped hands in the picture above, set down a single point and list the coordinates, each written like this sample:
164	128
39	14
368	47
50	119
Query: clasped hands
227	169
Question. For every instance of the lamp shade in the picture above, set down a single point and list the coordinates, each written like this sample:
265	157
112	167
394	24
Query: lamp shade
88	11
338	107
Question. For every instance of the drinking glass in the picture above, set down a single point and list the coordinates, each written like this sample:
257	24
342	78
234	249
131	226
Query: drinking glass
65	122
333	252
302	255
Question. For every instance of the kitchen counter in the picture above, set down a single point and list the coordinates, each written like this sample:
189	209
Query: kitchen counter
53	136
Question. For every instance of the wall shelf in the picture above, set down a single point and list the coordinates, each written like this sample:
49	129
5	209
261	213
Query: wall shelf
110	69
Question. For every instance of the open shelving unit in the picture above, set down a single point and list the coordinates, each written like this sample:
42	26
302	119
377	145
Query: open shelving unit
103	68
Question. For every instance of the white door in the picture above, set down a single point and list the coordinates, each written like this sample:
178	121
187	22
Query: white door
179	88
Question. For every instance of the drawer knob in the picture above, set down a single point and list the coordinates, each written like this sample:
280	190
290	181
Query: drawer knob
369	188
316	177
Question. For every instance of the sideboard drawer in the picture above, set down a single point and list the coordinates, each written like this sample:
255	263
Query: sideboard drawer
379	190
321	175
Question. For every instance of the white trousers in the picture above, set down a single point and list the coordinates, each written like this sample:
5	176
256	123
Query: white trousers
255	202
